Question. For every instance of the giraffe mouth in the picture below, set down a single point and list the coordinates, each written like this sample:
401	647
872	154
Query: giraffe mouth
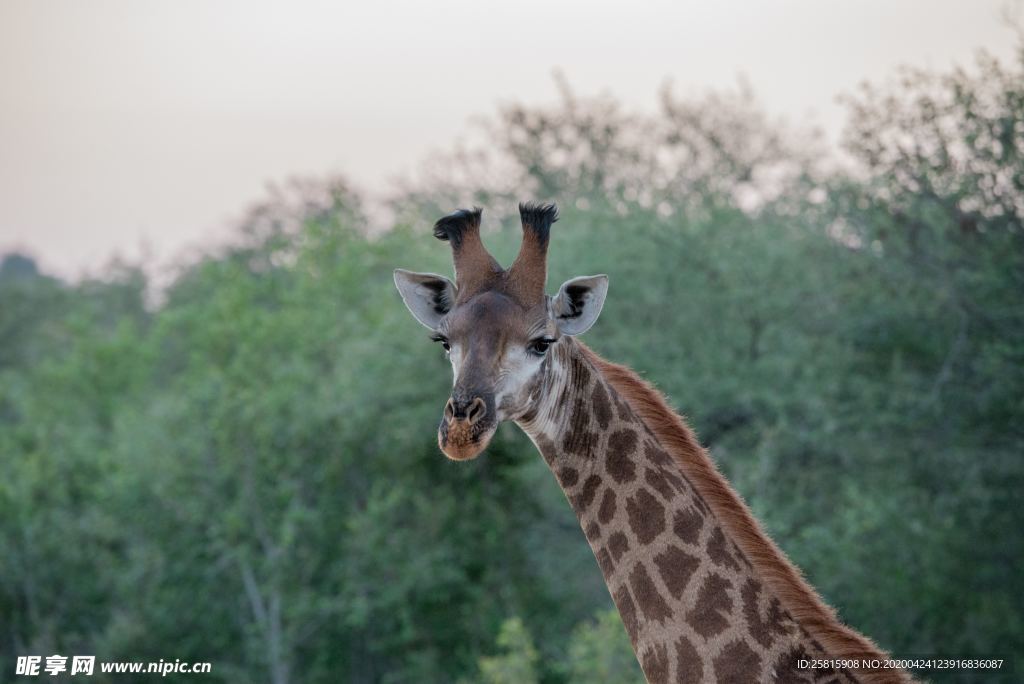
461	441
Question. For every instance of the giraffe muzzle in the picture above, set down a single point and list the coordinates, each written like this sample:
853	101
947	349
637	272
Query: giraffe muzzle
467	425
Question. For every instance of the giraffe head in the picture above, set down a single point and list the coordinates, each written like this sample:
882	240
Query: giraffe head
496	325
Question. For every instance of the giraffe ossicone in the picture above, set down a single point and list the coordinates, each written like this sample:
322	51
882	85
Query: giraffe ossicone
705	595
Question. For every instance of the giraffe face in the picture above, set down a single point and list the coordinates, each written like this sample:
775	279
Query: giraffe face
496	326
496	348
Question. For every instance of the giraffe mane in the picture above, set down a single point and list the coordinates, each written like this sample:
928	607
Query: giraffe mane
785	579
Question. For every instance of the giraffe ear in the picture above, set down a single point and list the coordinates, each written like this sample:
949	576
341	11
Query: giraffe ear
428	296
578	303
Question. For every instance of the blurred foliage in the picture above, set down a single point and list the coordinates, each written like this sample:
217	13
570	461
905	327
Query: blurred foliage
245	472
599	651
517	664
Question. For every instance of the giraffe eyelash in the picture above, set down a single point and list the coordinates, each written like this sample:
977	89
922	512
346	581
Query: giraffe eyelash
540	345
437	337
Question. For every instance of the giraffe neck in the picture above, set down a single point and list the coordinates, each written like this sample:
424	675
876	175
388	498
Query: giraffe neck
703	593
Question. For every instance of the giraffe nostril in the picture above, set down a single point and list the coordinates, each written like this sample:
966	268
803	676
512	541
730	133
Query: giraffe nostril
477	410
469	411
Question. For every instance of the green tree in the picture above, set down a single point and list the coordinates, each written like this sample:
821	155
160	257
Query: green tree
517	664
599	651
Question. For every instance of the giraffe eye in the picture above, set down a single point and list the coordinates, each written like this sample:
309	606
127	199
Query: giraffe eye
444	342
539	346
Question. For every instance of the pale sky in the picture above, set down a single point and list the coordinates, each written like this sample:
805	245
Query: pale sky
132	122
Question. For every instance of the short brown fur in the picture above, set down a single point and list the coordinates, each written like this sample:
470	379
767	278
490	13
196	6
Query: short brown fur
475	268
528	273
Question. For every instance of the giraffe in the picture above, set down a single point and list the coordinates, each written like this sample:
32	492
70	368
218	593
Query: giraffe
704	594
